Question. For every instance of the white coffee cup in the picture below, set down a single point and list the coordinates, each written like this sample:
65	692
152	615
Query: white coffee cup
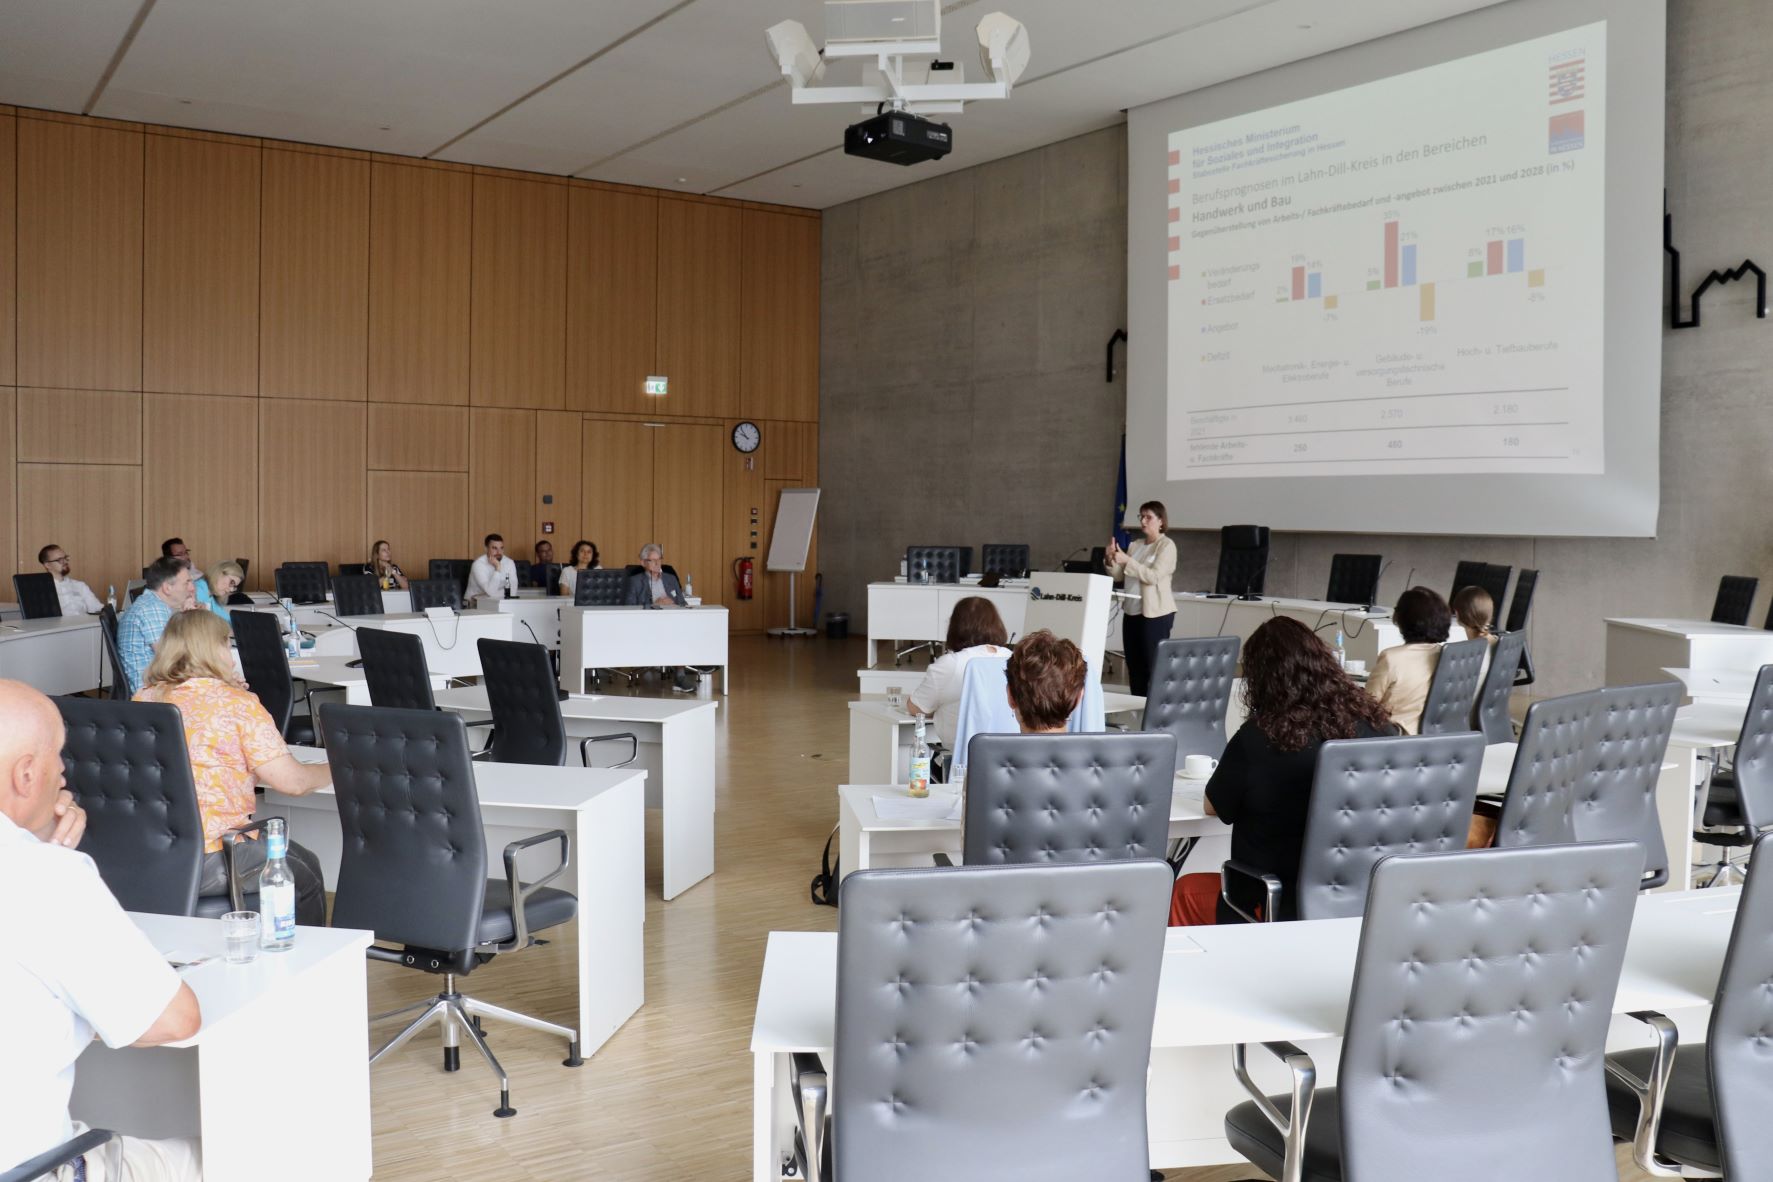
1356	668
1199	767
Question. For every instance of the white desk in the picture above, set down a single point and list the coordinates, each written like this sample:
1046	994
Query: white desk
303	1014
451	646
600	809
1364	634
1640	650
1223	985
636	637
537	615
58	655
1732	686
920	611
677	747
337	673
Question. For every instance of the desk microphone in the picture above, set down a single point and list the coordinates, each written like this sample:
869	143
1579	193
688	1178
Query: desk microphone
335	619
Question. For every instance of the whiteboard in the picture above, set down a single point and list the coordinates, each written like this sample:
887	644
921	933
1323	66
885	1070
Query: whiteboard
793	532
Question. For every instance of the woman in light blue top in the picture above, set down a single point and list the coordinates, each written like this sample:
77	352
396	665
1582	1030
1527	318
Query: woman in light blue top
213	590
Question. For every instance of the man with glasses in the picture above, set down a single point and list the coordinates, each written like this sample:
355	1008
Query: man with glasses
77	598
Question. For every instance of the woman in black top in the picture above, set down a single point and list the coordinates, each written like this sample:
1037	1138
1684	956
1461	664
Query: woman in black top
1296	697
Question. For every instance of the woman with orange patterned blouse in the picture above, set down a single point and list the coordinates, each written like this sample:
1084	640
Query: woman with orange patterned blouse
234	745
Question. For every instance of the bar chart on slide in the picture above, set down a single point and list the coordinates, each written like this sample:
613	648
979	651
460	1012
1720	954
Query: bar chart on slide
1373	281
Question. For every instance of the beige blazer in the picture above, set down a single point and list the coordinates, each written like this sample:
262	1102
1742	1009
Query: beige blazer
1153	575
1400	680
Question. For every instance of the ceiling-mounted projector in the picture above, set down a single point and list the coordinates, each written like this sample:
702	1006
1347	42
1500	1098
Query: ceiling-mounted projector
898	45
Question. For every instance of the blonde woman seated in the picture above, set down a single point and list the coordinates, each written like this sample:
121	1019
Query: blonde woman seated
381	564
1401	676
234	745
223	579
974	630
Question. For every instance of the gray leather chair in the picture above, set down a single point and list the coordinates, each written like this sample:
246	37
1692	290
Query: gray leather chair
258	638
1553	755
302	582
1454	689
527	726
1190	693
1490	713
1615	799
600	588
119	690
1007	559
1354	578
395	670
1736	595
1370	799
1739	807
127	766
37	597
1068	798
427	593
1700	1111
1476	1028
412	869
357	595
941	975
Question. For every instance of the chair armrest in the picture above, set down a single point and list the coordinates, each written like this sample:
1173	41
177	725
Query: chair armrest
492	734
1651	1094
812	1090
1291	1124
1235	873
521	892
943	860
45	1163
633	747
236	894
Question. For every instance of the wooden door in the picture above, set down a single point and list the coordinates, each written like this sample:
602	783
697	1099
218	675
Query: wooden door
687	486
617	483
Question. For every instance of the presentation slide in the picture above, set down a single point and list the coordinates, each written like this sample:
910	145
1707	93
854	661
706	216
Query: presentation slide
1403	276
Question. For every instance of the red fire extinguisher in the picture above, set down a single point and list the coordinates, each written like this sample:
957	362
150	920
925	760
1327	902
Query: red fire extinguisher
742	577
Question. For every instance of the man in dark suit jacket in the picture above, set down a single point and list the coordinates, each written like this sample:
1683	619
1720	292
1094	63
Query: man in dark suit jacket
652	585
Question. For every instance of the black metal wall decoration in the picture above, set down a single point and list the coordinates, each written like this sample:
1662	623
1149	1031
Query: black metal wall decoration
1120	334
1746	267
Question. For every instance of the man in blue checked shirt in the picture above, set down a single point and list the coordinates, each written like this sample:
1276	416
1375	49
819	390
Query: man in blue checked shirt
170	588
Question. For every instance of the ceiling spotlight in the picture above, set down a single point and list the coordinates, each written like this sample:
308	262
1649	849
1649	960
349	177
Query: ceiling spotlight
1003	47
796	55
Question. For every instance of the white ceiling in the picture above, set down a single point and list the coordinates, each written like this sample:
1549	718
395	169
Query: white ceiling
676	94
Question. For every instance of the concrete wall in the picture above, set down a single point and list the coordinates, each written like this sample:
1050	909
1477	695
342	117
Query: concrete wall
965	317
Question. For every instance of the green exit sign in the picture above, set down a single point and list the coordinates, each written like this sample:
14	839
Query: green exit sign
657	386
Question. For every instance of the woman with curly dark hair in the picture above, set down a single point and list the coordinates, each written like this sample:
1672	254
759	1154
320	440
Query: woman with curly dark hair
1296	698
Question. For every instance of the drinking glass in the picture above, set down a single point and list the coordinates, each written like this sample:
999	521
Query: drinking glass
240	936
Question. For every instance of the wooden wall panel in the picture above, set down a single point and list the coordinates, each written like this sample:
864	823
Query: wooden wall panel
612	289
502	478
214	441
779	354
200	273
79	427
687	495
519	293
557	475
617	486
311	483
8	253
419	271
422	515
9	481
314	291
418	438
88	509
79	256
698	302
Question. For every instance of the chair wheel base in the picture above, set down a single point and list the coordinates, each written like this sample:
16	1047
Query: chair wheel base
504	1109
572	1057
452	1058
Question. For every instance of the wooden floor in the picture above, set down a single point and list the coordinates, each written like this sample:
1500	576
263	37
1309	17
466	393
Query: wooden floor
669	1096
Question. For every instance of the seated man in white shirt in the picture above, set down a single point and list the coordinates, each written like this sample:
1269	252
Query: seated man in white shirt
654	586
77	598
71	964
493	573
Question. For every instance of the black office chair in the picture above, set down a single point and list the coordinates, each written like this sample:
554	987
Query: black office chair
304	582
1354	578
600	588
37	598
357	595
44	1165
1700	1110
453	570
413	869
119	691
1007	560
524	695
1190	693
1738	808
1370	799
1068	798
427	593
1615	800
550	576
258	639
1243	560
1539	801
1468	573
942	564
1736	596
395	669
1453	691
128	767
1489	713
1518	609
1492	1014
992	1022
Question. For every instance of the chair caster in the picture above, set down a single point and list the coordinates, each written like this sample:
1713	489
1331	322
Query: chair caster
504	1109
572	1056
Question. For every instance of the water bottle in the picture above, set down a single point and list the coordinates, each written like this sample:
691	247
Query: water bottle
689	587
1341	655
920	761
276	891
